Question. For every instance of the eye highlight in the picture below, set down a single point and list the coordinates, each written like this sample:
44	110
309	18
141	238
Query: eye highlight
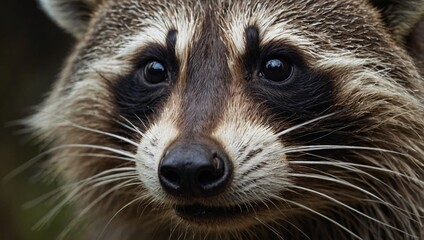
155	72
276	70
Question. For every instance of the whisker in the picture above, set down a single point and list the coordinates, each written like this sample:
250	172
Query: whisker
325	217
393	207
141	121
297	228
346	166
136	128
173	228
335	147
100	155
99	147
98	177
270	228
33	160
337	181
99	132
75	193
350	208
90	206
131	128
385	170
304	124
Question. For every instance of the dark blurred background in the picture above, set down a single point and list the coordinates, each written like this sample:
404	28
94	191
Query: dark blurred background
32	50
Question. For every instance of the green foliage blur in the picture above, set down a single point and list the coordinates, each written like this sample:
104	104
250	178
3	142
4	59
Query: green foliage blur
32	50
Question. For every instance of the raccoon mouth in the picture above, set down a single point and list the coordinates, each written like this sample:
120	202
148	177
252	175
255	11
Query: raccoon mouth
199	212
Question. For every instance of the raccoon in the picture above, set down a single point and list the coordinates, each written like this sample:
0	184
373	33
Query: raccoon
240	119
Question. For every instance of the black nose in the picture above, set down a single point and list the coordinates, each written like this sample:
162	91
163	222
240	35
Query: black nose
195	169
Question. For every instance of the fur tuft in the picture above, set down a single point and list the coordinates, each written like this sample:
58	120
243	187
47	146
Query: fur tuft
71	15
401	16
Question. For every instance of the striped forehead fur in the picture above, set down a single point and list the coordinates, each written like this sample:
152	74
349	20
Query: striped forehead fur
236	24
184	21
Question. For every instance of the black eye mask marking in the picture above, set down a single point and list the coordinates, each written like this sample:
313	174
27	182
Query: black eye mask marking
139	94
277	76
290	94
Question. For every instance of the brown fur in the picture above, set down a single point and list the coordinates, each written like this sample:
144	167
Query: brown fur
361	89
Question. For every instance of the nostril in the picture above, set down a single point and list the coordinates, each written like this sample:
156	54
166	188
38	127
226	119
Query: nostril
212	174
171	177
205	177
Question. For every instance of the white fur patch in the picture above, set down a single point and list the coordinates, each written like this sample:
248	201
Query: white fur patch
260	165
150	34
268	168
152	147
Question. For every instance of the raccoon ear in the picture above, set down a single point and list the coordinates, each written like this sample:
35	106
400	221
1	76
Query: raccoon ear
71	15
400	16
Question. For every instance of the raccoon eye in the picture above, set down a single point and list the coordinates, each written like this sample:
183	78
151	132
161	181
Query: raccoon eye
155	72
276	70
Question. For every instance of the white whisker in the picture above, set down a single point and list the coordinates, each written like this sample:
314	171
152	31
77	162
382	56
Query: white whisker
35	159
335	147
116	214
270	228
131	128
337	181
98	177
132	125
379	201
100	132
349	207
360	166
303	124
99	147
76	192
325	217
90	206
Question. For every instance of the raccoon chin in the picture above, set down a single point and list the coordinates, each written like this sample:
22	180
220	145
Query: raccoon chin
213	217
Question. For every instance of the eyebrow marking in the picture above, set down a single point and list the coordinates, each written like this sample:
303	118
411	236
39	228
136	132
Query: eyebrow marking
171	39
252	46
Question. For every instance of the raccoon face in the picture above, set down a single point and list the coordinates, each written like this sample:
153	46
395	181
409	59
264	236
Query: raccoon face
275	119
